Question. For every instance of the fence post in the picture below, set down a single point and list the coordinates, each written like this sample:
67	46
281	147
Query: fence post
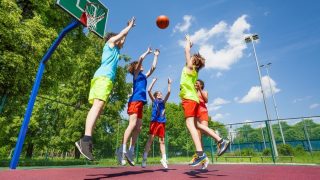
166	144
137	149
212	152
3	100
270	142
307	135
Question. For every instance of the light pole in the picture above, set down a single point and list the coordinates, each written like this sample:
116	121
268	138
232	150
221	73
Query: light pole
274	102
251	39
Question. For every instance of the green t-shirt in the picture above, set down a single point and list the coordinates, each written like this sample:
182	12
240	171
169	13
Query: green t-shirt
187	82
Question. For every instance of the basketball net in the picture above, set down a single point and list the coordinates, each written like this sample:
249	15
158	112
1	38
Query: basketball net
92	15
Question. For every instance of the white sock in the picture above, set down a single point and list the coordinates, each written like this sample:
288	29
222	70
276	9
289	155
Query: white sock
164	156
145	155
124	148
131	149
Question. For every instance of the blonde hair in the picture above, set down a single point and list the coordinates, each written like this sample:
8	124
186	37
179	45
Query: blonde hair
198	61
132	67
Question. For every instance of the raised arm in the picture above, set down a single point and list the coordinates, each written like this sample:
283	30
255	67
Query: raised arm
141	58
169	90
187	50
154	63
123	33
202	92
150	88
204	95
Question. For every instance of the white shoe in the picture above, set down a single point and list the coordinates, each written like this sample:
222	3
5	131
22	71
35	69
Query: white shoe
205	163
144	163
164	163
120	157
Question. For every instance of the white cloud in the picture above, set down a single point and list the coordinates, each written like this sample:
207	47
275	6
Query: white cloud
315	105
255	95
248	121
219	116
219	74
301	99
231	52
217	104
184	27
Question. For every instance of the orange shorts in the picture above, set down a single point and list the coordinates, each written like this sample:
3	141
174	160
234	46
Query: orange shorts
190	108
157	129
135	107
203	116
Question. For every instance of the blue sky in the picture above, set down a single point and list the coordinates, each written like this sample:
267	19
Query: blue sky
289	39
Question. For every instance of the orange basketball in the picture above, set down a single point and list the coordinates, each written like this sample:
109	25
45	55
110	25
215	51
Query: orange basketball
162	21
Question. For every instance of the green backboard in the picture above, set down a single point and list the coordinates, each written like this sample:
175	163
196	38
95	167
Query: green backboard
91	13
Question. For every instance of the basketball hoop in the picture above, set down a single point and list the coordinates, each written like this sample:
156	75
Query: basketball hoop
92	14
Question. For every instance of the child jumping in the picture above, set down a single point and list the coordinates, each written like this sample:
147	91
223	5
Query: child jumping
102	84
190	104
135	106
158	123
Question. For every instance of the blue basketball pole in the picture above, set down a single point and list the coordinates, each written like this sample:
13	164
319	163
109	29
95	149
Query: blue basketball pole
25	123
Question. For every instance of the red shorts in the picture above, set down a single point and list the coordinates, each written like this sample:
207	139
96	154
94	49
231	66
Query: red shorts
135	107
190	108
157	129
203	116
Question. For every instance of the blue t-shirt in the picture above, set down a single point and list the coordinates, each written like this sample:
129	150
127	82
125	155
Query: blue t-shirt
109	62
139	88
158	111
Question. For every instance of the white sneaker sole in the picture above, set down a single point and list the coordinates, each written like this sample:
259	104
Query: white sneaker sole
78	146
164	164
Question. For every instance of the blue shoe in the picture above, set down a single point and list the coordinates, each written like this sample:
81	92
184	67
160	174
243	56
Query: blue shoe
198	160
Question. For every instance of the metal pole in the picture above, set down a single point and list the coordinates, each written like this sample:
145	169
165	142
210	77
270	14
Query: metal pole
212	151
264	140
265	104
36	85
307	135
3	100
275	105
166	144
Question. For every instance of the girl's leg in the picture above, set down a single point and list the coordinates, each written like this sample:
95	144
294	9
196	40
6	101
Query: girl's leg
190	121
147	147
163	152
129	130
162	148
93	115
135	133
208	131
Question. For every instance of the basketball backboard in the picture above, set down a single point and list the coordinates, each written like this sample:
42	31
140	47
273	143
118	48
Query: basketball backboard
91	13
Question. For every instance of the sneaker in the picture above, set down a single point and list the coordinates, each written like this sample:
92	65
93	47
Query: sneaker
85	149
164	163
129	156
198	160
223	146
144	163
193	157
205	163
120	157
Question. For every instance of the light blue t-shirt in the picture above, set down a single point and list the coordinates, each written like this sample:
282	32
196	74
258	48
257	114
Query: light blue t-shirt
109	62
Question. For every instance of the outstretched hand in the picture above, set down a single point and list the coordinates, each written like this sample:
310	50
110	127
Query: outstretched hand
149	50
131	22
169	81
156	52
154	79
187	37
